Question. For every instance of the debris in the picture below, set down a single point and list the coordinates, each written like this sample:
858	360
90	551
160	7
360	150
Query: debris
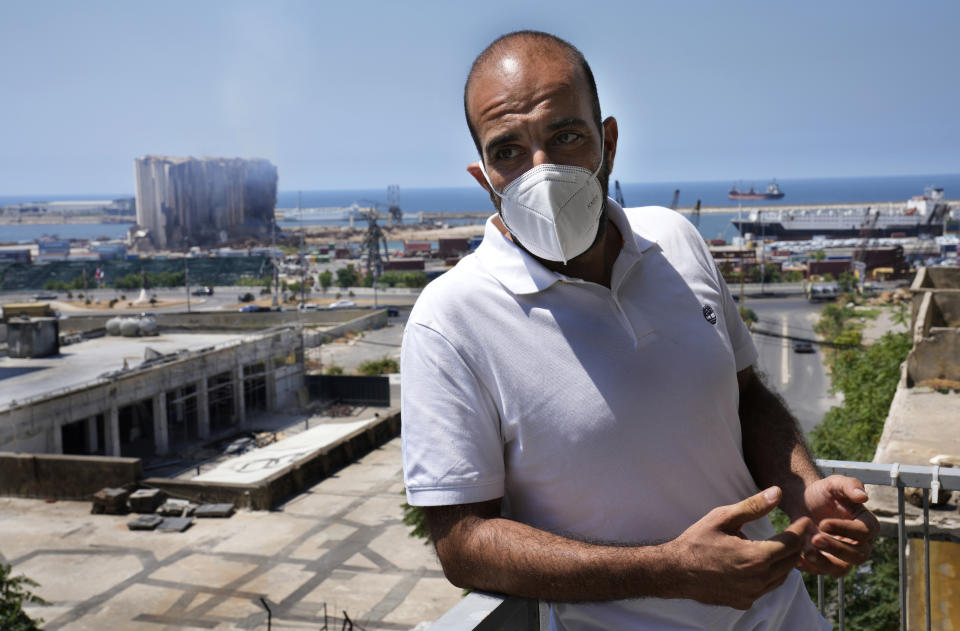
915	497
145	522
214	510
146	500
110	501
177	508
175	524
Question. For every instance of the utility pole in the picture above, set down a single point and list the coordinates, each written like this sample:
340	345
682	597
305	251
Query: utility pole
763	251
742	245
186	281
273	257
303	260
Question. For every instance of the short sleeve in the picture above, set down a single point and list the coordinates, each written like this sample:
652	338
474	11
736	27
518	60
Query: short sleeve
744	350
452	450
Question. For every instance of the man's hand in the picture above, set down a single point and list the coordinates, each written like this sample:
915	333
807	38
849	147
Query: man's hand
719	566
844	528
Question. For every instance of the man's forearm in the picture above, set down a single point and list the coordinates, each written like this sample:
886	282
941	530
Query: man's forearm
506	556
773	446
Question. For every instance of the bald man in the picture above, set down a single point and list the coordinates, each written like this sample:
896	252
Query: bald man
581	417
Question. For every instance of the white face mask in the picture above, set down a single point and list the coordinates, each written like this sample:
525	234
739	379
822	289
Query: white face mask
553	210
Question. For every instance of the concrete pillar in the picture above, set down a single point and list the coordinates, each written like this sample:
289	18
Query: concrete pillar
203	409
92	435
112	430
271	385
161	435
57	442
239	402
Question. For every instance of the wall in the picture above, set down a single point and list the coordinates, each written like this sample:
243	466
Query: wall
341	319
935	326
292	479
63	477
34	426
36	337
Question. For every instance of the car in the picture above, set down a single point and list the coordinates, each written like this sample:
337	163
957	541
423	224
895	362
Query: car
308	306
47	296
342	304
202	291
803	347
253	309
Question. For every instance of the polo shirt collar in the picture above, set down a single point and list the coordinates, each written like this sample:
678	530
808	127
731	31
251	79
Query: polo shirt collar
520	273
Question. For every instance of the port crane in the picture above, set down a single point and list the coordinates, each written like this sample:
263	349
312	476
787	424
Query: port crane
618	194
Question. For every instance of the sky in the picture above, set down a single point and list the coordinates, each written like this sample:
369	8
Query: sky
363	94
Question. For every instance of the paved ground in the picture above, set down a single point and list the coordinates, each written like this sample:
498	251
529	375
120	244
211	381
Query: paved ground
342	543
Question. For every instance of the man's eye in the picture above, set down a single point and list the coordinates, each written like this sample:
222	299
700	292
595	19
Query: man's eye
565	138
506	153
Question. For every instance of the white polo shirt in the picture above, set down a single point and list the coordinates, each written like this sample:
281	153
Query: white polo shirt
602	414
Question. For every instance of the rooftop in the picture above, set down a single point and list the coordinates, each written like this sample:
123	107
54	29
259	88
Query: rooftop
80	363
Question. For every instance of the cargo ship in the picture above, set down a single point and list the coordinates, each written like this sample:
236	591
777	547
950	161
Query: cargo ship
923	215
773	192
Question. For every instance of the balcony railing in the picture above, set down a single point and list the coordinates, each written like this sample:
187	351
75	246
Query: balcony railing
488	612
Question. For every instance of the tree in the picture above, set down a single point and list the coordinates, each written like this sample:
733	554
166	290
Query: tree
326	280
347	277
846	282
867	377
14	593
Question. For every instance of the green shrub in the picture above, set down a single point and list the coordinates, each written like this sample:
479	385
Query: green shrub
382	366
14	593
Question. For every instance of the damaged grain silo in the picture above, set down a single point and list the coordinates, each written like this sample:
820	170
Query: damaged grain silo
182	202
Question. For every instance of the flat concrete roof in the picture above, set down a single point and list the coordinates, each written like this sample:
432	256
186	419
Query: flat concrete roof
76	364
342	543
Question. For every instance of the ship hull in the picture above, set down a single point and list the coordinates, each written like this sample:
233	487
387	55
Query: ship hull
757	196
776	230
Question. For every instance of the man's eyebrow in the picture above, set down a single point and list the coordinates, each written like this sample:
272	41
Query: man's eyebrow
499	140
567	122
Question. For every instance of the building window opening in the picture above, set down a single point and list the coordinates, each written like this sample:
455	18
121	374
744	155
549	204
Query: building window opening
73	437
182	415
255	387
220	398
136	430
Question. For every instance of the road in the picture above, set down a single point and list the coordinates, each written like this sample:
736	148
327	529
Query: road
800	378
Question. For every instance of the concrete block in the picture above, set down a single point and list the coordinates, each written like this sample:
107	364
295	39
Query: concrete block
145	522
175	524
146	500
110	501
214	510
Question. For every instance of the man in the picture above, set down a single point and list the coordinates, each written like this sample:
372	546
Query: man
581	419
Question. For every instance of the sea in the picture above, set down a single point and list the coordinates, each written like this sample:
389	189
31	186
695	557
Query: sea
413	201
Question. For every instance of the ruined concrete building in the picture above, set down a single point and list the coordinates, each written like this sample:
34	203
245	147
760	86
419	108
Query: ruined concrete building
183	202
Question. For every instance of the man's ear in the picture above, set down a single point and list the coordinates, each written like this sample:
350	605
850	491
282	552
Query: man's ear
610	135
474	169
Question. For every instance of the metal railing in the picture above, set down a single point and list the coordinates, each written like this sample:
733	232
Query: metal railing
480	611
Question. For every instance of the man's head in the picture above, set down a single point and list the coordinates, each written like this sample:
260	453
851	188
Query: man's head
530	99
541	44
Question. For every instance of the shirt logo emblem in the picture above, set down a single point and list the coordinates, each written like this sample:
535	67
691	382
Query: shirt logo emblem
709	314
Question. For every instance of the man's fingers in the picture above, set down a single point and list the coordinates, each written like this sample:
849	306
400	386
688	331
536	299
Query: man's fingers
754	507
849	553
788	544
846	488
852	529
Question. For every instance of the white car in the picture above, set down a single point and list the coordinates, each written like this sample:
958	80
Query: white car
342	304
